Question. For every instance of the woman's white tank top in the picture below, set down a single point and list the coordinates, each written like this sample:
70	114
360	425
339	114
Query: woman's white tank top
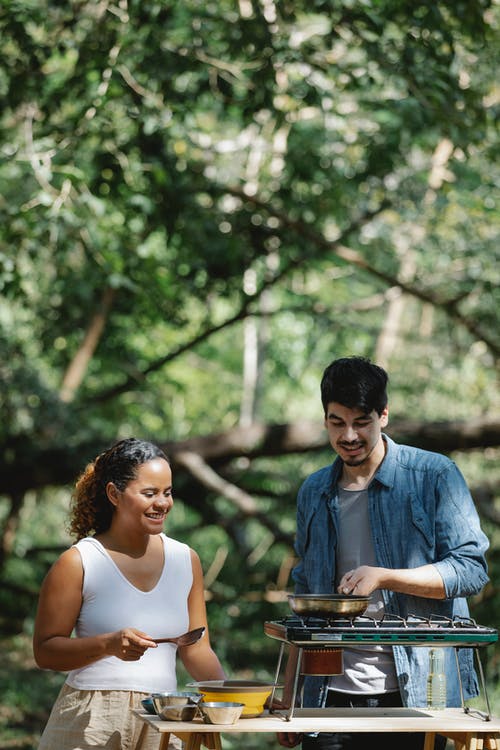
111	602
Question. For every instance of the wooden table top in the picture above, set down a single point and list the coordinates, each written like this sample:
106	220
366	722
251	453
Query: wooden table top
341	720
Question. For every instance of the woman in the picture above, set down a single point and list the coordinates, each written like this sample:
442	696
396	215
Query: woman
119	589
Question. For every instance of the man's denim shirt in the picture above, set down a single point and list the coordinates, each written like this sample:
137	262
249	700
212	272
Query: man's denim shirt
421	512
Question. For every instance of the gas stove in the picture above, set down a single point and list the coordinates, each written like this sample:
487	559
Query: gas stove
390	630
320	641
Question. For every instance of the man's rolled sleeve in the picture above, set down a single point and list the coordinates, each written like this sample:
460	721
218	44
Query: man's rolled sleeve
461	563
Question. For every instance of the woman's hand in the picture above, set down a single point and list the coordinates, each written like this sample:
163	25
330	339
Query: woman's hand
129	644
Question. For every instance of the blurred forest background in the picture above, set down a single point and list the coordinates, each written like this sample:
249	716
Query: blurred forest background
202	203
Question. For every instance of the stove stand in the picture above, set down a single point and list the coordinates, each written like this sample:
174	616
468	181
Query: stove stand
319	640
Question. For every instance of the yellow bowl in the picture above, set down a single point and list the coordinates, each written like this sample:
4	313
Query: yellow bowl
252	694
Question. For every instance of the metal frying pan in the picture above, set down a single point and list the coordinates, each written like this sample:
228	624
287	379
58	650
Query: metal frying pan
328	605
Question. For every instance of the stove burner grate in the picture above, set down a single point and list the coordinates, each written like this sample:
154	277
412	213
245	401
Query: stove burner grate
390	629
387	621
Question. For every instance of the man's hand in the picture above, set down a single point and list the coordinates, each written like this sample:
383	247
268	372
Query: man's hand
289	739
361	581
422	581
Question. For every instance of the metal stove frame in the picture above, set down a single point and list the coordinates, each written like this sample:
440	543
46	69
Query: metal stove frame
409	636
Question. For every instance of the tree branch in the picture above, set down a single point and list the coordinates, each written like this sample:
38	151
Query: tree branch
78	365
354	258
26	469
246	504
261	439
204	473
132	381
9	526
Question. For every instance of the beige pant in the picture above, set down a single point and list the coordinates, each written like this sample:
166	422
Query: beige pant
85	719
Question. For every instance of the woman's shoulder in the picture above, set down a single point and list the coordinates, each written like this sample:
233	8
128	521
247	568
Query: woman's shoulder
67	566
88	540
173	544
177	550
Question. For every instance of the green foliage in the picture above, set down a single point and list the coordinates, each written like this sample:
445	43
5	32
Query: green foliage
174	172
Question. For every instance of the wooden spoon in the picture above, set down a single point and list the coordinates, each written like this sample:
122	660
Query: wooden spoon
186	639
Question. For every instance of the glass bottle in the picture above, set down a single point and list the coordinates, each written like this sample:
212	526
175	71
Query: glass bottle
436	681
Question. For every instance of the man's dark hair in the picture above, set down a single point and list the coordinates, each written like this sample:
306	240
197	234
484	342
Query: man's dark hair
356	383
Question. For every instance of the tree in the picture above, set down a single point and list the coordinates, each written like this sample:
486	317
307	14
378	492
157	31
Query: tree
173	171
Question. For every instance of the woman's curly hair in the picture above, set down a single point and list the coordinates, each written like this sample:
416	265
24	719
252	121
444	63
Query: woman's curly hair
91	510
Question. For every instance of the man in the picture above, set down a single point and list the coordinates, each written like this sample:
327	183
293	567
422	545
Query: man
393	522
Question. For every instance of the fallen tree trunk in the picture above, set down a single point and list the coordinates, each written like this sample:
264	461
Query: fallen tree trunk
25	466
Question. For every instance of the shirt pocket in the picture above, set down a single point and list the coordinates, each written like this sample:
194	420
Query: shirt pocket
421	520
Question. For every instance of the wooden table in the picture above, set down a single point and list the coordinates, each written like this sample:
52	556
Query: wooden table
466	730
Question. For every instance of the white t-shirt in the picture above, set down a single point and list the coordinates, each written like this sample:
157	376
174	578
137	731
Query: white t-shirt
369	669
111	602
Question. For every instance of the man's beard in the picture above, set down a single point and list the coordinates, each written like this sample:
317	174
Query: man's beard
358	461
355	462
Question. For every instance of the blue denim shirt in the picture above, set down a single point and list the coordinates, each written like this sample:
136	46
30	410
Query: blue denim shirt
421	512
